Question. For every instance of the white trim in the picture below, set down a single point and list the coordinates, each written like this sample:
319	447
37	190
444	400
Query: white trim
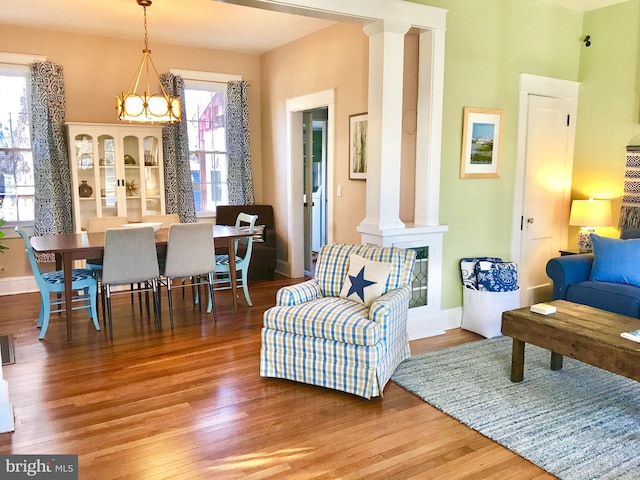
423	324
21	58
15	285
295	106
205	76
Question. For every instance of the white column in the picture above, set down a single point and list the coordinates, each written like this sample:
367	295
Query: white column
429	127
384	135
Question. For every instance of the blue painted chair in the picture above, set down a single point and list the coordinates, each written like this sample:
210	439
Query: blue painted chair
247	221
53	283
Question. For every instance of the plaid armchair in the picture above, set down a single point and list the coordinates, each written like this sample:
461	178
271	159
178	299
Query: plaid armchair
314	336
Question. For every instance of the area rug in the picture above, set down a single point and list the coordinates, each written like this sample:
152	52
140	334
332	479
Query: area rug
6	349
577	423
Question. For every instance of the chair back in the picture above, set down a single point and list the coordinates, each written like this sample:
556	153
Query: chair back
31	256
100	224
130	256
190	250
166	220
333	265
248	222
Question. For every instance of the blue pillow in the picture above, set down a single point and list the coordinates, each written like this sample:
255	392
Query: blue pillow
497	276
468	270
615	260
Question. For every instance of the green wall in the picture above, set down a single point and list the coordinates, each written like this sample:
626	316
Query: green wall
488	44
608	110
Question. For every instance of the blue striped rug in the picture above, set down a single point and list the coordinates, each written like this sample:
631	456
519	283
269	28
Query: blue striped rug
577	423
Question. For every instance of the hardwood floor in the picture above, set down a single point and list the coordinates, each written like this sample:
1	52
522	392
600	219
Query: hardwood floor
190	404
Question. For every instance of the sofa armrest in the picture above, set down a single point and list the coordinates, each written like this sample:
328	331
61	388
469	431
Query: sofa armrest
298	293
567	270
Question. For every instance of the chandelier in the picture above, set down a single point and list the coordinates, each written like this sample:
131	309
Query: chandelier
147	107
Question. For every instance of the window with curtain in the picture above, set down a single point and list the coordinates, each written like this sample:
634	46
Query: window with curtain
16	159
205	107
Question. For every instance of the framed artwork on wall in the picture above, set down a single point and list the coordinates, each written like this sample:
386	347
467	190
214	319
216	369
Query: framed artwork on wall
481	143
358	146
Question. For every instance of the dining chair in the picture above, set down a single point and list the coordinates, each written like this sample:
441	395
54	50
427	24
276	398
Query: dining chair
50	283
247	222
130	258
190	254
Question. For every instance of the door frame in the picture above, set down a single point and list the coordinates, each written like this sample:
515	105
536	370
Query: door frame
546	87
295	210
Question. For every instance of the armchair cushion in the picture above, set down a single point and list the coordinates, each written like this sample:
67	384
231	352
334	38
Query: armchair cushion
365	280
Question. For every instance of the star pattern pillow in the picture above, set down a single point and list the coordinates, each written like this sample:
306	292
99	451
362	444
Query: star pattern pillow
365	279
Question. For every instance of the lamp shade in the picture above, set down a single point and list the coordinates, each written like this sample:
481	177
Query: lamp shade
591	213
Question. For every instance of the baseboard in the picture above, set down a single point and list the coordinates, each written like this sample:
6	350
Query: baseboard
14	285
429	324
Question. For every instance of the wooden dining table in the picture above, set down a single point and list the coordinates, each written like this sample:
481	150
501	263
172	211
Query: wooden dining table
81	246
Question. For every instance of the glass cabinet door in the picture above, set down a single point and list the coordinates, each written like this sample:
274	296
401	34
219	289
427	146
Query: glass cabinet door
132	177
86	171
152	181
108	176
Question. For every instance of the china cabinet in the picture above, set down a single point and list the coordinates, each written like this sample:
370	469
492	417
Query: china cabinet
116	170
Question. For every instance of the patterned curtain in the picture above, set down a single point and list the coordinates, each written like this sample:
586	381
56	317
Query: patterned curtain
178	187
630	212
240	172
52	196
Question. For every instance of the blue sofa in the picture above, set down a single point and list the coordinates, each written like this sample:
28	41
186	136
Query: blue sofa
571	282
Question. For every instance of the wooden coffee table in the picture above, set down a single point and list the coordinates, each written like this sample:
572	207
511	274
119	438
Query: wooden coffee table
577	331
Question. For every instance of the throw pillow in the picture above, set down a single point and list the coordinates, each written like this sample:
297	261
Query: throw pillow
497	276
615	260
629	232
468	270
365	279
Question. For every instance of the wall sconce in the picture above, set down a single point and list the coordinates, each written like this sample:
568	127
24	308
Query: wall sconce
589	214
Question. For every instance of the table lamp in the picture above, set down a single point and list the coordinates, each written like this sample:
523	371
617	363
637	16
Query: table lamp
589	214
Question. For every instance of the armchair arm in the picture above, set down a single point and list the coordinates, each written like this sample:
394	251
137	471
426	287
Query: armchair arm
391	310
298	293
567	270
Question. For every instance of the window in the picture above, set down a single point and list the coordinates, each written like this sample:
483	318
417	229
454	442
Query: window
206	106
16	161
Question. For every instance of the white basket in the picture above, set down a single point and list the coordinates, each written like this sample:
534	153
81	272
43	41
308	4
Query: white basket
482	311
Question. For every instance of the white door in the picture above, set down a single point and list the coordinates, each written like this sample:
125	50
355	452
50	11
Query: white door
547	182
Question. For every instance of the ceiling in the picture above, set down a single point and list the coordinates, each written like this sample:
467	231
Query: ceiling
196	23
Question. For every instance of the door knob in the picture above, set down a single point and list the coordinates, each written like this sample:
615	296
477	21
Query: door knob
530	220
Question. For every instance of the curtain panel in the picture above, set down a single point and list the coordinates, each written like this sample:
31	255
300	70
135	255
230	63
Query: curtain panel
178	186
52	195
240	179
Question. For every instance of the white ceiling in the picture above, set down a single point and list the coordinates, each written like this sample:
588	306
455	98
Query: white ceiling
199	23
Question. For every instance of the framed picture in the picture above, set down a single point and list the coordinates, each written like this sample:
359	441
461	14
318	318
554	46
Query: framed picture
481	143
358	146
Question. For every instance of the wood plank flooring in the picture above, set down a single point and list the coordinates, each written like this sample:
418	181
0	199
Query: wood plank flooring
190	404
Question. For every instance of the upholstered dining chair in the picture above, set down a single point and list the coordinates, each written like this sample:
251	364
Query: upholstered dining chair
130	257
99	225
50	283
190	254
346	329
223	276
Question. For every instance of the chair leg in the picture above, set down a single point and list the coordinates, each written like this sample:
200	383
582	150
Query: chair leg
156	301
169	297
245	286
212	302
109	311
93	293
45	312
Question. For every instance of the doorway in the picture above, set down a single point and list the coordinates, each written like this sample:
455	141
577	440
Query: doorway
546	138
314	184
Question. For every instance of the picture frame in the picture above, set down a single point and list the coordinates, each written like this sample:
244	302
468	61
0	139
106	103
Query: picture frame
481	143
358	146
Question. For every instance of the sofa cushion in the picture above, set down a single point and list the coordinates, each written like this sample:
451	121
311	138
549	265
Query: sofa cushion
365	279
613	297
330	318
615	260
